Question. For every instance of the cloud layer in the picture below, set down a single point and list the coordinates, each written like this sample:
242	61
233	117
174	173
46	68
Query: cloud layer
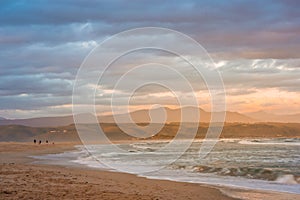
255	45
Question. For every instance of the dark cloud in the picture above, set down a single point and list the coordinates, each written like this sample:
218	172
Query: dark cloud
251	26
35	84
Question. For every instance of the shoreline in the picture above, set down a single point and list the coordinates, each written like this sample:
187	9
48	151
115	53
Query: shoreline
15	157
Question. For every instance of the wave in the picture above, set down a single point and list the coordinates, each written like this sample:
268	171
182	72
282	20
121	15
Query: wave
288	142
142	147
247	172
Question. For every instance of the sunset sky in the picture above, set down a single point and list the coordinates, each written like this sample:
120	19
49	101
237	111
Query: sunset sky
255	45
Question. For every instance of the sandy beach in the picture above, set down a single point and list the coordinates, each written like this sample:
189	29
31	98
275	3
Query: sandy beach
21	179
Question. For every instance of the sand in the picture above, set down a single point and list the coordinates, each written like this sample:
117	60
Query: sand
21	179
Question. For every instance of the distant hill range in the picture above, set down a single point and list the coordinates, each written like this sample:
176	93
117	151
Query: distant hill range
142	116
174	115
269	117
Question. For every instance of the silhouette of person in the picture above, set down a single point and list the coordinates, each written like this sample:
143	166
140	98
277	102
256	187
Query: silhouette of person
34	141
40	142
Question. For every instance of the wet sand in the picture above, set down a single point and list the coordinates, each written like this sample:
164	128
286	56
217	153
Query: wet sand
21	179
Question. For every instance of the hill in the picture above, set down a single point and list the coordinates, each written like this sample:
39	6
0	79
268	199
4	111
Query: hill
46	121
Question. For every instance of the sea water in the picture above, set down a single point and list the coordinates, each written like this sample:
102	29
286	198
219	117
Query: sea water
266	164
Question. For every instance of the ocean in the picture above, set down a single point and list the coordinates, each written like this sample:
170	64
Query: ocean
264	164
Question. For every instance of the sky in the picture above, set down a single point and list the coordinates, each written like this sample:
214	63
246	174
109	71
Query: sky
254	44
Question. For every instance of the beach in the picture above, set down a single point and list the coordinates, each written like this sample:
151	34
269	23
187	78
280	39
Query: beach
21	178
150	100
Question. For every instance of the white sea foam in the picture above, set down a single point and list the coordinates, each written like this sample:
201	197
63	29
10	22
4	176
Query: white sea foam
287	179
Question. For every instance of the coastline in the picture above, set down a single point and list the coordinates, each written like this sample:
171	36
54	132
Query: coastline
23	178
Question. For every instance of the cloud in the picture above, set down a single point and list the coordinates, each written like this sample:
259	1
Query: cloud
262	74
